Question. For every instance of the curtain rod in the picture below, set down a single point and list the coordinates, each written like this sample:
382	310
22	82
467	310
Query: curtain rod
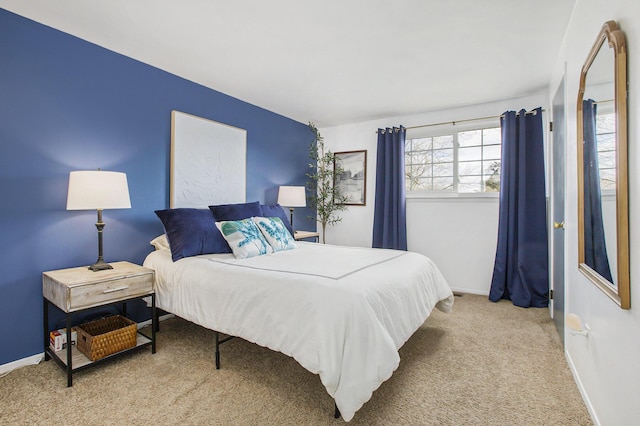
464	121
606	101
467	120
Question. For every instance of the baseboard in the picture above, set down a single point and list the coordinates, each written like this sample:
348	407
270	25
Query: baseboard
148	322
32	360
35	359
583	392
469	291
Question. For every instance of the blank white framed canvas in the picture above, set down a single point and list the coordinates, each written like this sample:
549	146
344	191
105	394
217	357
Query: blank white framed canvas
208	162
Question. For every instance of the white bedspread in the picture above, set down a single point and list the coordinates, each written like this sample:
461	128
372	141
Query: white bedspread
341	312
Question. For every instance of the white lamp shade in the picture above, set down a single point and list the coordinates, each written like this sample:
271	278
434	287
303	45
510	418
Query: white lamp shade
97	190
292	196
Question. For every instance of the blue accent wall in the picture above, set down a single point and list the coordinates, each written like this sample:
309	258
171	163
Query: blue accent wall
66	104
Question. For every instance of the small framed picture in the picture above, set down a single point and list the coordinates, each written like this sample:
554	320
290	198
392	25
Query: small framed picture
352	182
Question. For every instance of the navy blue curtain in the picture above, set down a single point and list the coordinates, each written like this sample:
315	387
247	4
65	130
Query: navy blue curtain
390	216
520	271
595	249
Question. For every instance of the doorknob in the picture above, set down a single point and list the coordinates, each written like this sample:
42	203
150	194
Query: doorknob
558	225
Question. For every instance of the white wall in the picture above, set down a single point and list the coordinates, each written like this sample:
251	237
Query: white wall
451	231
456	232
607	365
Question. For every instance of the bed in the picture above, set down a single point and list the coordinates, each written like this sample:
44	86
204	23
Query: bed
341	312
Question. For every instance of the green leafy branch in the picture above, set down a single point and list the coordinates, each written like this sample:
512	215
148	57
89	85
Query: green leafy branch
325	195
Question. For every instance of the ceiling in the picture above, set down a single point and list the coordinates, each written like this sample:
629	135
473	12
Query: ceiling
330	61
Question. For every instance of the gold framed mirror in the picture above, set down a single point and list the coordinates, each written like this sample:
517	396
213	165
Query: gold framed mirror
603	200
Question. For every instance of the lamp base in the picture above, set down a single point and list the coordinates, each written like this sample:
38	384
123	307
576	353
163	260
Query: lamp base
100	265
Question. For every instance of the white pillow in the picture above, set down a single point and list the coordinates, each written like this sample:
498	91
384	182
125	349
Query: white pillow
160	242
244	238
276	234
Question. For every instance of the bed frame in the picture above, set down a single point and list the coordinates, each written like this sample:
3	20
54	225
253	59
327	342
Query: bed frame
219	341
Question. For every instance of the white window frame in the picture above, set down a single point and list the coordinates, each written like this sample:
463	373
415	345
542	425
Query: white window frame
451	128
604	110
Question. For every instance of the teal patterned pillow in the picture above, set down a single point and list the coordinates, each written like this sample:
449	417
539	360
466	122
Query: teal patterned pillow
275	232
244	238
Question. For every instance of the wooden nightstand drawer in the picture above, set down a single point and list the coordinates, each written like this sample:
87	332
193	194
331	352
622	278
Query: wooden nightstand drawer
79	288
84	296
301	235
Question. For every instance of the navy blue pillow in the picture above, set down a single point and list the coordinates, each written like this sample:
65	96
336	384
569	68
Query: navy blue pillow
191	232
235	211
276	211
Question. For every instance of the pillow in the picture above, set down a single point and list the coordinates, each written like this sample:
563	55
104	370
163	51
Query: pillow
276	210
160	242
191	232
275	233
224	212
244	238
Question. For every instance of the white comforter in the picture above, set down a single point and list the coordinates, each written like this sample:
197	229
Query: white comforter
341	312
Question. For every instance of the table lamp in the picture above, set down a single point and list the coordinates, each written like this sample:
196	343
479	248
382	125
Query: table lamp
98	190
292	196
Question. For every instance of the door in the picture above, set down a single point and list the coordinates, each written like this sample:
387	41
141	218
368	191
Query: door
557	201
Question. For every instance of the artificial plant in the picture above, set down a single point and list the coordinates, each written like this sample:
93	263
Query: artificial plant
324	196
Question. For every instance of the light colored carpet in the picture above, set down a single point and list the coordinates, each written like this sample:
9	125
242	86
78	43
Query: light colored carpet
483	364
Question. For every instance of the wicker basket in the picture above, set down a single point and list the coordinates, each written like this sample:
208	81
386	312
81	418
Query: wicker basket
105	336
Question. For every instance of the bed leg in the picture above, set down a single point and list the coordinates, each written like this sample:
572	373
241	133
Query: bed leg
217	351
336	414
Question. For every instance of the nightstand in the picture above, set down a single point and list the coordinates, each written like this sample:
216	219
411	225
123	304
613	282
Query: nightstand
78	289
301	235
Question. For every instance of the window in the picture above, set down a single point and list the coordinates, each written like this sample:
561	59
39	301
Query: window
429	163
606	137
463	161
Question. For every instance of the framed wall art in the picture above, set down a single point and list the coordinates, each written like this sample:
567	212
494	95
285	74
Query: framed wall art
352	181
208	162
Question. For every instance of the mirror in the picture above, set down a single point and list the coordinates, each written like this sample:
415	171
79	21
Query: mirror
603	212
